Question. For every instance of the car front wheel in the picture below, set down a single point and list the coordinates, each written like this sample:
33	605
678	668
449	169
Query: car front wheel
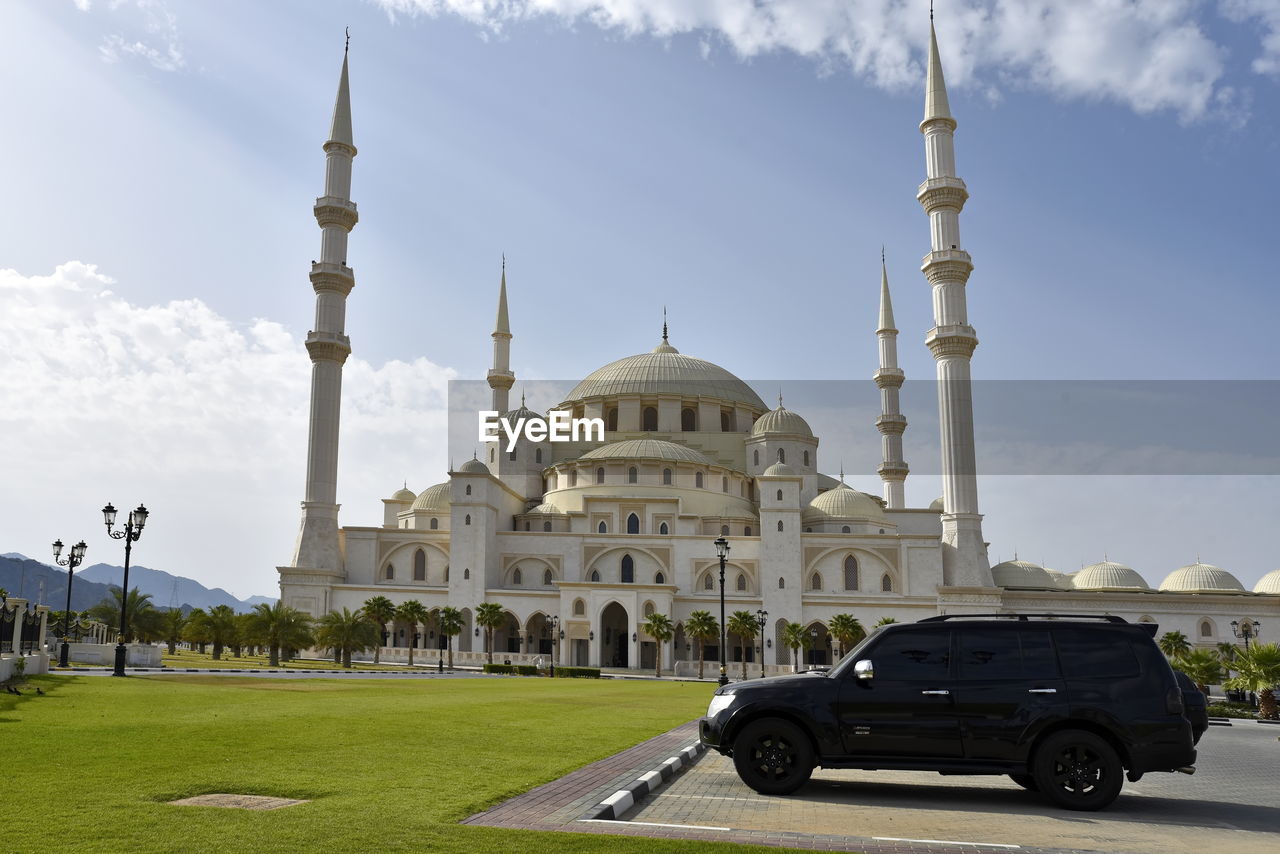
1026	781
1078	770
773	756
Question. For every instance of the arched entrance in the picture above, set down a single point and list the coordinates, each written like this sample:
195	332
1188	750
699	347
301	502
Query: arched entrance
819	652
614	636
464	638
539	628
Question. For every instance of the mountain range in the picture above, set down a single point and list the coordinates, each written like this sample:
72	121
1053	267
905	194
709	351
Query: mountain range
22	577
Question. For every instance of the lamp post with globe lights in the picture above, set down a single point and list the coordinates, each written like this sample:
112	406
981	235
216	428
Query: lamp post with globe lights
722	550
132	531
1246	630
762	620
74	558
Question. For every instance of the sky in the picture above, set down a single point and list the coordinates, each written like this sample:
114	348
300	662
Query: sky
740	162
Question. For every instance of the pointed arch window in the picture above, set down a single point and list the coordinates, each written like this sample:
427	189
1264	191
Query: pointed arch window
663	529
649	419
633	524
806	459
466	574
779	526
517	577
390	572
844	529
666	477
782	583
707	583
600	475
595	576
1206	630
632	475
886	584
815	581
611	420
746	531
547	578
435	524
659	578
697	480
546	527
779	494
726	421
419	565
573	477
688	420
742	581
628	570
648	609
724	530
850	573
468	520
755	456
468	489
579	608
602	528
724	484
492	455
782	455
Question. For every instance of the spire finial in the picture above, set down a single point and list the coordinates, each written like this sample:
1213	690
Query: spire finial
522	397
473	453
503	324
930	10
779	397
347	47
842	471
664	325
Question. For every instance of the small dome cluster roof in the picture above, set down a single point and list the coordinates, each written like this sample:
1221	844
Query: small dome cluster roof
938	504
473	466
546	510
404	494
783	421
1109	575
433	498
1201	578
779	470
665	370
1023	575
843	502
647	449
1269	583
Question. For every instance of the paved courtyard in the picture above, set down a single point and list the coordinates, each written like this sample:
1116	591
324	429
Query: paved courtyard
1232	802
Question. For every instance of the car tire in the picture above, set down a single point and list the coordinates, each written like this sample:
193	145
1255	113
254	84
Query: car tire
1026	781
773	756
1078	770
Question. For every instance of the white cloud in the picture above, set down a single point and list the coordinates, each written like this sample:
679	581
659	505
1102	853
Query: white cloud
1265	13
1149	55
162	44
203	419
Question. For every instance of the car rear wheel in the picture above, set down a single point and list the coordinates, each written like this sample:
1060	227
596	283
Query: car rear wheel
1026	781
773	756
1078	770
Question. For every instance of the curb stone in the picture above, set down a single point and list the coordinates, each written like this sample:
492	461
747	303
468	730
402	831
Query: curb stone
616	805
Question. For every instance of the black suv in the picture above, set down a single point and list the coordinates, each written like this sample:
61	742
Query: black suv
1062	704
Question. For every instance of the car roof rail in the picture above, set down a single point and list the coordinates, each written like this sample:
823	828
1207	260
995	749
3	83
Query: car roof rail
1110	618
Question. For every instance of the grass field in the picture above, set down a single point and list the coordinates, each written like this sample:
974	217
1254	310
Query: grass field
191	658
388	766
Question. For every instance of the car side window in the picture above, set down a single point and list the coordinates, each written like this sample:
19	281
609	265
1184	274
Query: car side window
913	655
1006	654
1094	654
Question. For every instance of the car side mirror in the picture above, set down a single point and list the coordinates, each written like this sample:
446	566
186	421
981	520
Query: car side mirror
864	670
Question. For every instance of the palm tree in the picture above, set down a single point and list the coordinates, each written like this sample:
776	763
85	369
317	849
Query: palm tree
795	637
1259	668
744	625
196	631
846	629
1227	653
884	621
490	616
145	621
660	628
450	622
242	635
279	627
174	621
702	627
412	612
221	621
1174	644
346	632
1203	666
380	610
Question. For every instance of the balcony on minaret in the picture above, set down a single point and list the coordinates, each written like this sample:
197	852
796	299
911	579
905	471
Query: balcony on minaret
952	339
334	210
328	346
947	265
330	276
889	377
893	471
891	424
943	192
501	379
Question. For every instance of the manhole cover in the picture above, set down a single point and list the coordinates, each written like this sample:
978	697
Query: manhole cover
237	802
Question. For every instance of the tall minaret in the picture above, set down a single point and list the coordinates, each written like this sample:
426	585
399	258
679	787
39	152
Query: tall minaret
952	340
332	280
501	377
891	423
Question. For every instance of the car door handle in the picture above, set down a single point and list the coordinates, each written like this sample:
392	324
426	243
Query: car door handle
1042	690
940	693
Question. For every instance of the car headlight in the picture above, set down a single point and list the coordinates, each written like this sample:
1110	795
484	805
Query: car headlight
719	702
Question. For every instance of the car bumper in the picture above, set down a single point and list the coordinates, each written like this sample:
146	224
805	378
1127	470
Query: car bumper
711	733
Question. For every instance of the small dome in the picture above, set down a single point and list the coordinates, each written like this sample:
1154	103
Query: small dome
473	466
646	449
433	498
665	370
1023	575
1269	583
781	420
843	502
1201	578
404	494
1059	578
779	470
1109	575
523	412
546	510
937	504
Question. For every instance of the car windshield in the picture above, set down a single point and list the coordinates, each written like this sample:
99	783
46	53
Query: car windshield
846	663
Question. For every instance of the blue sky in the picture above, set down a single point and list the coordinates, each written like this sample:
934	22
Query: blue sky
741	163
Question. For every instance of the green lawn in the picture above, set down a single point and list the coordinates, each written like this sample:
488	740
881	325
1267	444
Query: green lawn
390	766
189	658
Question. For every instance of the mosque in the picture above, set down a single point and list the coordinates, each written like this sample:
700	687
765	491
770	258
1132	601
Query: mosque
580	541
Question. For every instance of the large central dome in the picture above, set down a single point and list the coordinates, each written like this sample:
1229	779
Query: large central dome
665	370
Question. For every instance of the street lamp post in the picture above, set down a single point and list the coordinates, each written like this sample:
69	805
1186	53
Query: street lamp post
1248	631
762	620
131	533
74	558
722	549
813	647
555	642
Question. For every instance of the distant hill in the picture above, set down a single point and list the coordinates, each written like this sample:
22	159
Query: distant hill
19	573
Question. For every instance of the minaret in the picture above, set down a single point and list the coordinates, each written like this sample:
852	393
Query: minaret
332	279
952	340
501	377
891	423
